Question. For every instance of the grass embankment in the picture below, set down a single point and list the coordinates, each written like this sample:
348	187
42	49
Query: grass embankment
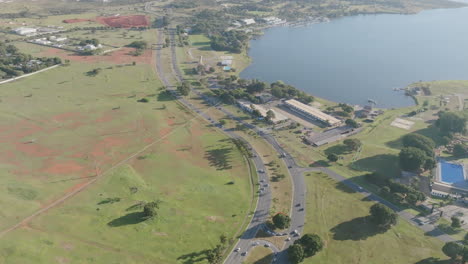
78	127
259	255
336	214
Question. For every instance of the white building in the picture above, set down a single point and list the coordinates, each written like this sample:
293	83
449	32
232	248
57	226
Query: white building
312	112
273	20
248	21
226	62
25	31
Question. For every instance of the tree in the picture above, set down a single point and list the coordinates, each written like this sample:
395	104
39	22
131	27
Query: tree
256	87
222	122
459	150
352	123
450	122
184	88
452	250
382	216
419	141
150	209
296	253
270	115
311	243
281	221
412	159
332	157
352	143
456	223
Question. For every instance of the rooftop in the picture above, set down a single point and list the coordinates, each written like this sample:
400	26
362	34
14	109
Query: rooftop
313	111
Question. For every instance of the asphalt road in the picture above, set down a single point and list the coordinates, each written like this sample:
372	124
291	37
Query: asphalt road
298	210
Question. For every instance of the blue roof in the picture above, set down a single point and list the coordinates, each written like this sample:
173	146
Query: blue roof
226	68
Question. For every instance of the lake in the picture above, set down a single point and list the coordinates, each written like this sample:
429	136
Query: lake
353	59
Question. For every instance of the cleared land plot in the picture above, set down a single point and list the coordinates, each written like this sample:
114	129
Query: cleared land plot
338	216
62	128
402	123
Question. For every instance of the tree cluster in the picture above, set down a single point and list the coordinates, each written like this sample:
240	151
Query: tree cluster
382	216
307	246
397	192
281	221
232	41
457	252
417	153
13	63
450	123
184	88
285	91
215	255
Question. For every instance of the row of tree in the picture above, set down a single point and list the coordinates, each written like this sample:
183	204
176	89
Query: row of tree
307	246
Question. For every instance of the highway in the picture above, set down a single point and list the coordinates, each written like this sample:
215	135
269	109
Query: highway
298	209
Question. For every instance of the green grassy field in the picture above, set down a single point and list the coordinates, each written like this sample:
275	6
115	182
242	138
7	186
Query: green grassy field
337	214
62	128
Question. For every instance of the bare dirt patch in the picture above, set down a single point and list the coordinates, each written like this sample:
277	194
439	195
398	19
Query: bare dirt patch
125	21
65	167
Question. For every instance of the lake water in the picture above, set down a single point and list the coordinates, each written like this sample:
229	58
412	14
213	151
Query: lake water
356	58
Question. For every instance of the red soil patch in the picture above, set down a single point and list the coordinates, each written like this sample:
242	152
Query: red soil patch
120	56
76	20
34	149
64	168
124	21
104	146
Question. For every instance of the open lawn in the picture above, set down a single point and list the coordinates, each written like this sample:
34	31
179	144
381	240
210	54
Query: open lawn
337	215
65	127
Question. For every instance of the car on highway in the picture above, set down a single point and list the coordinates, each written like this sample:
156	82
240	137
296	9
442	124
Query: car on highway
237	250
256	243
266	185
288	239
267	245
297	205
244	253
301	209
262	180
289	167
261	171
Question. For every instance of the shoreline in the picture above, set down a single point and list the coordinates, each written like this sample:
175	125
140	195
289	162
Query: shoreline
319	20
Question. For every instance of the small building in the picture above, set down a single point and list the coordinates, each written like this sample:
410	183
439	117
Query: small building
248	21
271	20
331	135
25	31
265	97
312	112
226	68
249	107
226	62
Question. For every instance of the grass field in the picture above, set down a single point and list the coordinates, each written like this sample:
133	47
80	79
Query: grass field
337	214
62	128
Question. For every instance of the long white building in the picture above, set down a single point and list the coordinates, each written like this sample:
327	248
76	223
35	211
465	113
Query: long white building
312	112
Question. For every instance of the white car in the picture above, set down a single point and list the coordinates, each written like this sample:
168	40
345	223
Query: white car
288	239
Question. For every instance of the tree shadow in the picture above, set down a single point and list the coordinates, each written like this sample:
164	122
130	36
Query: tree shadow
433	260
343	187
339	149
357	229
128	219
193	257
265	260
385	164
219	158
